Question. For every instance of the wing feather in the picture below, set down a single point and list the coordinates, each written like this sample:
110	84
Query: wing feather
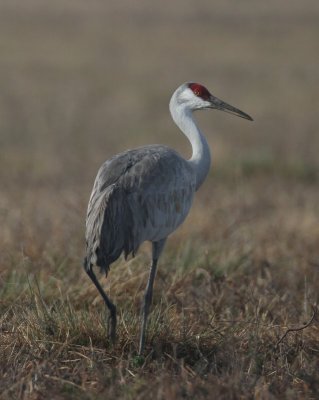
142	194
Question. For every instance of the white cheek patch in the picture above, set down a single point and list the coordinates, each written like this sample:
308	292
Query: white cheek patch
187	95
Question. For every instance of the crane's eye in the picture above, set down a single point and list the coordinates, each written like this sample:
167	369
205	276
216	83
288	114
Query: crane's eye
196	91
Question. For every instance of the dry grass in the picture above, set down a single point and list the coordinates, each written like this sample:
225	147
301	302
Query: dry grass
81	81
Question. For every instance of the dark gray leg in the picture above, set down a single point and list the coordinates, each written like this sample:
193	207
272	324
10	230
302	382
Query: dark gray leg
157	248
109	304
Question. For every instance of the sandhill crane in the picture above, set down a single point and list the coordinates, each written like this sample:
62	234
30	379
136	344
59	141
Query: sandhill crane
145	194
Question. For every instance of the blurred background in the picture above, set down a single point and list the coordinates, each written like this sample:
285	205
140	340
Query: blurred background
83	80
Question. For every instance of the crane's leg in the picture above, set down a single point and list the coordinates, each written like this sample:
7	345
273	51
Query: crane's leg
157	248
109	304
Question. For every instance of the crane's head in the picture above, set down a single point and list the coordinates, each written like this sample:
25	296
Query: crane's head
196	97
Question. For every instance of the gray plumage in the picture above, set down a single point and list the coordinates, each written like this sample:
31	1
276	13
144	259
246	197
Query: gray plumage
145	194
141	194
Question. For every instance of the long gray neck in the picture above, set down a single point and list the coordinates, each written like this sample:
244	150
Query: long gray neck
201	158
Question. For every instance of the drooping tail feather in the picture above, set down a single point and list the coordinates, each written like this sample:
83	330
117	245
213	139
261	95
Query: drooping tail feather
109	227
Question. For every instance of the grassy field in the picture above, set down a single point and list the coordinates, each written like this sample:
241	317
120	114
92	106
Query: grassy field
81	81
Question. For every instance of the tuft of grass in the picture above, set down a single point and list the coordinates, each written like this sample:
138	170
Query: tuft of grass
207	332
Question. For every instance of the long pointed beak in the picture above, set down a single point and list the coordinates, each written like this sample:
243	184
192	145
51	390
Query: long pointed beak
218	104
